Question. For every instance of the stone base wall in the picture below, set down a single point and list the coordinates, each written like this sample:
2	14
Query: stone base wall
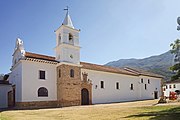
66	103
36	104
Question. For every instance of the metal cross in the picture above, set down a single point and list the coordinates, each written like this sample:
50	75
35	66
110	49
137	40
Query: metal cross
67	9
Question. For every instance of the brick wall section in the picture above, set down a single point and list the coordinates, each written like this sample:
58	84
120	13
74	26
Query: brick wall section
88	86
68	88
36	104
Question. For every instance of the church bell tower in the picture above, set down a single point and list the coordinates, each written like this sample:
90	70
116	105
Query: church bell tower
67	42
68	69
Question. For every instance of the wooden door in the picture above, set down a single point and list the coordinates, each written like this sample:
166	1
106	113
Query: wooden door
84	97
155	95
10	98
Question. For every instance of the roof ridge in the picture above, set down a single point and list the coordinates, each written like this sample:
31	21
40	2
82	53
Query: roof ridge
97	67
38	54
106	68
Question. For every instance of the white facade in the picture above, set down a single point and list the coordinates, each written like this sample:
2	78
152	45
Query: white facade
31	82
28	82
25	76
4	89
170	87
110	93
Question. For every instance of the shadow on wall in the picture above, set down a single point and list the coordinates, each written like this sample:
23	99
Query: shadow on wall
169	114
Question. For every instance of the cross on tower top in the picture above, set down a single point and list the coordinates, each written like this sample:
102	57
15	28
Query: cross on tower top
67	8
67	20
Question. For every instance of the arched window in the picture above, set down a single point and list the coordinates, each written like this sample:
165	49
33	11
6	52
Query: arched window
71	73
71	39
59	39
59	73
42	92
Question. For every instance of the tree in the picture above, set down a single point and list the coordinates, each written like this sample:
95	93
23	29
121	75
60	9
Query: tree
175	49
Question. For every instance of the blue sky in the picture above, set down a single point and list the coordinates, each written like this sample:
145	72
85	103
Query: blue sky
110	29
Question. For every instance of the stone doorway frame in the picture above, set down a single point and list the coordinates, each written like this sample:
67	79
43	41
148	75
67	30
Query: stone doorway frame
85	96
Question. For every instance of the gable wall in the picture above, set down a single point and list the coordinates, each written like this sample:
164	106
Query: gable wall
31	82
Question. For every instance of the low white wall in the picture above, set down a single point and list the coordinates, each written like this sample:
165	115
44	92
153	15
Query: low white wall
4	89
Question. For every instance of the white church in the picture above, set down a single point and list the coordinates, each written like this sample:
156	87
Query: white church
46	81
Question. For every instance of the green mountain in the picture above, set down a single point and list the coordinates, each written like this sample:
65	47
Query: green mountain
158	64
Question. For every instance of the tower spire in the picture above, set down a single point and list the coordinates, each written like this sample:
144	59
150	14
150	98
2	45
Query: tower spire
67	20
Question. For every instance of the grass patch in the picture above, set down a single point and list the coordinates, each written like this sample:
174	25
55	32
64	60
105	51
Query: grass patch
158	113
103	112
3	117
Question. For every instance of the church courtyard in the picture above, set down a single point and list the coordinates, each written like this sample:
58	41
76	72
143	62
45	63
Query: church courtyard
139	110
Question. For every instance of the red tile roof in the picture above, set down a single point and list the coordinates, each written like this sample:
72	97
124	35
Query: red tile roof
142	72
106	69
96	67
38	56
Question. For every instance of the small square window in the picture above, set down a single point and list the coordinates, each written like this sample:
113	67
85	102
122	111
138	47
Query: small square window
174	86
145	86
164	89
41	74
117	85
102	84
131	87
169	86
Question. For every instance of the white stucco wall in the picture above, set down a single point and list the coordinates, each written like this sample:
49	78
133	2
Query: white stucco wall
154	85
15	78
111	94
64	32
4	89
67	51
31	82
172	89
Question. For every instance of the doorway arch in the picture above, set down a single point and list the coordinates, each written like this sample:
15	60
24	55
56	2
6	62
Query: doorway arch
84	97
